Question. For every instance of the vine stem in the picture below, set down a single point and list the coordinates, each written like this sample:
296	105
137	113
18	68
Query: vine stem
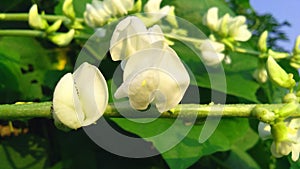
44	110
24	17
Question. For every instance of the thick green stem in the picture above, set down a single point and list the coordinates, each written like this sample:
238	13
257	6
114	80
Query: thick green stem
34	110
24	17
29	33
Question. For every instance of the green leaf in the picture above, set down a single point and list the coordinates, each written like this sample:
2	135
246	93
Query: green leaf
189	150
10	72
34	60
27	151
241	159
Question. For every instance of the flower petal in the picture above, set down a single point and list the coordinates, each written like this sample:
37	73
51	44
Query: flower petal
64	101
92	92
129	36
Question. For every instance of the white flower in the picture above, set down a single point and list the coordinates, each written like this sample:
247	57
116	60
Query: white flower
154	75
131	35
99	12
227	26
288	140
238	29
80	99
211	52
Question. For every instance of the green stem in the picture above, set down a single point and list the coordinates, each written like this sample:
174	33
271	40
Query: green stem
29	33
34	33
24	17
183	38
247	51
34	110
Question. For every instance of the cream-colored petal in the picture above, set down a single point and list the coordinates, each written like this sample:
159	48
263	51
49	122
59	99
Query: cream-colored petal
152	6
295	151
264	130
211	58
210	19
129	36
64	100
92	92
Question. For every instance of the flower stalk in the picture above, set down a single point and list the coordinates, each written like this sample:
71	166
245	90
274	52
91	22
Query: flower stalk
44	110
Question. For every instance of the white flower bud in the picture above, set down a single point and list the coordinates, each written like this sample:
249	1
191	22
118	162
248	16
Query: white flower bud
260	75
35	20
80	99
278	75
211	52
68	9
62	39
210	19
54	27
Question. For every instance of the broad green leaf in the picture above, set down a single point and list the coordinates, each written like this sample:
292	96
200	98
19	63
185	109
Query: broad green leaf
28	55
10	72
241	159
189	150
27	151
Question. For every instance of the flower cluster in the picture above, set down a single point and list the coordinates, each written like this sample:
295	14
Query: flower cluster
227	26
37	22
99	12
286	137
152	73
152	70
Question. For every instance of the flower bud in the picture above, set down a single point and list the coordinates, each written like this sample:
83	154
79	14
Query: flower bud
277	55
278	75
68	9
35	20
210	19
62	39
260	75
263	114
297	46
279	131
137	7
54	27
288	109
223	27
290	97
262	42
211	52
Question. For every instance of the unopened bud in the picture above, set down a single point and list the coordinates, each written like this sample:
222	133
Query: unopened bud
277	55
35	20
62	39
262	42
288	109
278	75
260	75
68	9
137	7
54	27
223	27
297	46
290	97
